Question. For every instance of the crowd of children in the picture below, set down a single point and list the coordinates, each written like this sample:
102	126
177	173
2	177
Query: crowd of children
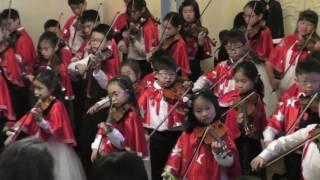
109	101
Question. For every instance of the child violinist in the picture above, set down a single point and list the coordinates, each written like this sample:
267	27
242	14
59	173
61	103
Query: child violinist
141	34
23	45
162	114
246	121
293	114
195	36
258	34
72	27
285	57
53	25
216	159
174	44
13	75
101	65
49	121
123	128
128	68
50	57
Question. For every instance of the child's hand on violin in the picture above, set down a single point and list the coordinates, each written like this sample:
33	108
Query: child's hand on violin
201	38
240	118
122	47
96	63
106	127
81	68
217	147
257	162
30	77
37	113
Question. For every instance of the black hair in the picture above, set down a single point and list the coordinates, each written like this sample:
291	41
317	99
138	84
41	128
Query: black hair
53	40
164	62
315	55
258	7
90	15
51	23
49	78
195	7
119	166
191	121
309	15
139	5
103	29
27	159
133	64
239	22
250	70
234	36
14	14
307	66
124	82
173	18
75	2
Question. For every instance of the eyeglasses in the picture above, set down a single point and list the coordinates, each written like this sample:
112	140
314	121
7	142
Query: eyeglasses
167	74
233	48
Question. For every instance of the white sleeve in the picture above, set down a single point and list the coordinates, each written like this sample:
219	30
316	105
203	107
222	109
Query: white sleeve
96	142
223	159
116	138
101	78
269	134
202	82
103	103
72	66
285	143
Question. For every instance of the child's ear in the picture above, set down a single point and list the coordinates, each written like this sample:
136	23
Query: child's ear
179	28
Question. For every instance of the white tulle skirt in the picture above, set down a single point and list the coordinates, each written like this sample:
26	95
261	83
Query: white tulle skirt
67	165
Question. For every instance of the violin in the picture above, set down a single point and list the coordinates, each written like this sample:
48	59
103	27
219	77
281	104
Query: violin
215	132
42	104
118	113
194	30
134	27
178	90
311	103
248	108
168	42
308	41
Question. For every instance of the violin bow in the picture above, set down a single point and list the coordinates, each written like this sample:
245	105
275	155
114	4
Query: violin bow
77	28
302	113
227	73
169	113
57	27
300	52
109	30
195	152
9	10
240	102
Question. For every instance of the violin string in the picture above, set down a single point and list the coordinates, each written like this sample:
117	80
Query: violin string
237	104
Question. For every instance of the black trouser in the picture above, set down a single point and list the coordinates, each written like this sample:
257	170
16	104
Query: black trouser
195	68
87	132
248	149
293	166
161	144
